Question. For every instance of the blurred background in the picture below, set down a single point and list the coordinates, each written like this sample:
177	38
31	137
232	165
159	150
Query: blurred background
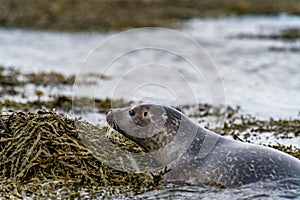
255	44
105	15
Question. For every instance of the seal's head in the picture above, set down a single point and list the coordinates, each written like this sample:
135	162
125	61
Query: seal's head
150	126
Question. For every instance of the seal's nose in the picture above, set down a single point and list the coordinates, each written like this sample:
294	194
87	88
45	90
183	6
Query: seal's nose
110	118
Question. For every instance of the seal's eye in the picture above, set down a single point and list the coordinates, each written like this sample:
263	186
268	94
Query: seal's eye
131	112
145	114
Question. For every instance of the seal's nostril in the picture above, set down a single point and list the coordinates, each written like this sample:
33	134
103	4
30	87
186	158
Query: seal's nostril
131	112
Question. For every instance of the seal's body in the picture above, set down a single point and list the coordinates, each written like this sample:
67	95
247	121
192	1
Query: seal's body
233	163
203	157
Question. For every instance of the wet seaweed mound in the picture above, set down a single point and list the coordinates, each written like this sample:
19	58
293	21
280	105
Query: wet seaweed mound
42	155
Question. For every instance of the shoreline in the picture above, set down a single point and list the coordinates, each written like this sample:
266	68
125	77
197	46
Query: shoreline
106	15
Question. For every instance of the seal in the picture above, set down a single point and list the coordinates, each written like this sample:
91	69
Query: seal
206	158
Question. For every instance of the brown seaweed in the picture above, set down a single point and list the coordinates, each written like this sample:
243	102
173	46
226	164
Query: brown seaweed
42	153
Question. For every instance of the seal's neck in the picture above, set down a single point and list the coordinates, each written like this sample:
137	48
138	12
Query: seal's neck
190	140
204	142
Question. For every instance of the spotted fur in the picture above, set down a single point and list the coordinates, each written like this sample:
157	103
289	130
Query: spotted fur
210	159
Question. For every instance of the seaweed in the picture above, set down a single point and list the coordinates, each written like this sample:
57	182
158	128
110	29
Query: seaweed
284	49
289	34
49	78
42	153
292	150
9	81
63	103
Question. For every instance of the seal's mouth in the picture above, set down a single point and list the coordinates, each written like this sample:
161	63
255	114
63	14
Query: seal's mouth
112	123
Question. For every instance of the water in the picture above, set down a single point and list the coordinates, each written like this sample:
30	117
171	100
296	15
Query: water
268	81
262	82
284	189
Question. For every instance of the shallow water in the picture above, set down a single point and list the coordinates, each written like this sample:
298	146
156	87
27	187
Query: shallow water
262	82
284	189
